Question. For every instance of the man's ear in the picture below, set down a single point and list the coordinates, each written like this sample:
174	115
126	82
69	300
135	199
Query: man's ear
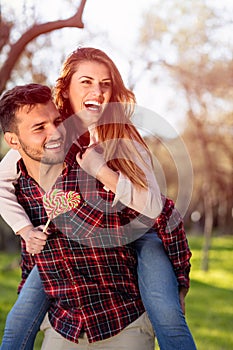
12	140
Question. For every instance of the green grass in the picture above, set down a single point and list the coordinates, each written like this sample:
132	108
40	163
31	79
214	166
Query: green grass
10	275
209	304
210	300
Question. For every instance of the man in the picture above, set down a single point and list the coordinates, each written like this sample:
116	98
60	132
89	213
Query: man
94	296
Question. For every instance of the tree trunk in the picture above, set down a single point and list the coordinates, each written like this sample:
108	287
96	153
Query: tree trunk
208	227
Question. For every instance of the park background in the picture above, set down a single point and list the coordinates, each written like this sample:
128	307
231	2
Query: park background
176	55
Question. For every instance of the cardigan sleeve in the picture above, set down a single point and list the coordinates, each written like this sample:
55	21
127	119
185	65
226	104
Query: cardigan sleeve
10	210
146	201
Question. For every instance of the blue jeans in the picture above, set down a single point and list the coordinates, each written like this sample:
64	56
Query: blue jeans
159	292
25	317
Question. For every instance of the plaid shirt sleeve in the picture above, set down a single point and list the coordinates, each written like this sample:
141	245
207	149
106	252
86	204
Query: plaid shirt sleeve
170	229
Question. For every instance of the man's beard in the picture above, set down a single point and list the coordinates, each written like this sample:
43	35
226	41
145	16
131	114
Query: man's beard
43	158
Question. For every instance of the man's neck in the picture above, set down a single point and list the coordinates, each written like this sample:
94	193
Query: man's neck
44	174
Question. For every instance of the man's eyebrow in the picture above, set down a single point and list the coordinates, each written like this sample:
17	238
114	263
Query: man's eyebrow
38	124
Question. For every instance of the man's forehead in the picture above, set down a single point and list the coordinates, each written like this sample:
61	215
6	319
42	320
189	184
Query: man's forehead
38	109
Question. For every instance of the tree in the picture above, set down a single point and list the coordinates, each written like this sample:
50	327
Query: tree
17	47
191	43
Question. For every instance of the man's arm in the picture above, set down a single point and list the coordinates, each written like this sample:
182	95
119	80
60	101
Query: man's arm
34	237
170	228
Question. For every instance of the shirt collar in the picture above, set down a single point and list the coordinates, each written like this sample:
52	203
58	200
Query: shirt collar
21	167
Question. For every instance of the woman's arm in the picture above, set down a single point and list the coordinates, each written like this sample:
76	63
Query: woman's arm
146	201
11	211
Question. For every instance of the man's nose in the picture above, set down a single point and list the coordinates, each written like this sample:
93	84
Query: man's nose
54	131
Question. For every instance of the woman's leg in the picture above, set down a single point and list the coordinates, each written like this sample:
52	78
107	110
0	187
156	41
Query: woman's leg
159	291
25	317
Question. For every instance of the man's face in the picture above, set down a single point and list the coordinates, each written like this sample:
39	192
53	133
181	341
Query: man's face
41	134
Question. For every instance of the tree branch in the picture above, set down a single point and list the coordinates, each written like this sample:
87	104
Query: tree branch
32	33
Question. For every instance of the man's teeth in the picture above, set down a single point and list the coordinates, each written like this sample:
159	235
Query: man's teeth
53	145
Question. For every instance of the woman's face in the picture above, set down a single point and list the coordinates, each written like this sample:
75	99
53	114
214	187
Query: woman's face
90	91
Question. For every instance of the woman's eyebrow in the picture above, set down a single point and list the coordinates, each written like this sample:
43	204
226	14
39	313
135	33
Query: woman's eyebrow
86	76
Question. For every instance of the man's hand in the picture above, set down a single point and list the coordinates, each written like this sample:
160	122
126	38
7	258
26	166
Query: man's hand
182	294
34	238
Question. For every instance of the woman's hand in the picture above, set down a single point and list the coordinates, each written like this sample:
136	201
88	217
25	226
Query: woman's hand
91	161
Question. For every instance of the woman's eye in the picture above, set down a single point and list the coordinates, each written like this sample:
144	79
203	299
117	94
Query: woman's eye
106	84
86	82
58	121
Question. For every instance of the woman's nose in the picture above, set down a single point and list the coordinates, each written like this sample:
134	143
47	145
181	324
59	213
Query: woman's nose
97	90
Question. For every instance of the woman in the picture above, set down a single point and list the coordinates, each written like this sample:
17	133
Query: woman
91	88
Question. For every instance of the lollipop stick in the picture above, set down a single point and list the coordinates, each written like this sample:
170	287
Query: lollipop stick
46	225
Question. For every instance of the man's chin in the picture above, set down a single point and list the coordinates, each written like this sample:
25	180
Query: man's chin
52	161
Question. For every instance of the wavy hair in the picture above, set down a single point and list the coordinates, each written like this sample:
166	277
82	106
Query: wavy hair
116	132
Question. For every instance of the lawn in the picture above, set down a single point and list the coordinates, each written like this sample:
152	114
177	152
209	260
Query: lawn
210	300
209	306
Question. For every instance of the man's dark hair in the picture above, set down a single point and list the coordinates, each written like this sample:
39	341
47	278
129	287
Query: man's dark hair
22	95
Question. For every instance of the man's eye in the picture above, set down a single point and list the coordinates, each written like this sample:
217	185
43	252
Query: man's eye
39	128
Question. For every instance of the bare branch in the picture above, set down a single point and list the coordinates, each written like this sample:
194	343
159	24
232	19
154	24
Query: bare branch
32	33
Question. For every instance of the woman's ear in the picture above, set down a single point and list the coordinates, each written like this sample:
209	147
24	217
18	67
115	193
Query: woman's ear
65	94
12	140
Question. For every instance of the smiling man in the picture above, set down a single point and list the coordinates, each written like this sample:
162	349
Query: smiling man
93	291
36	131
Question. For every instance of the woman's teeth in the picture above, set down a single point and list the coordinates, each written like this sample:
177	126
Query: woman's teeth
93	105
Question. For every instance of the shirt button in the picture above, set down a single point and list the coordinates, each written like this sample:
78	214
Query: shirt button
84	203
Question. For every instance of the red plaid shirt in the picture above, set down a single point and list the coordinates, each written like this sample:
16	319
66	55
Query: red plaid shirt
92	289
89	276
170	229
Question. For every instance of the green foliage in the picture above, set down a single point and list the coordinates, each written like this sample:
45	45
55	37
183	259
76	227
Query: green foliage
209	309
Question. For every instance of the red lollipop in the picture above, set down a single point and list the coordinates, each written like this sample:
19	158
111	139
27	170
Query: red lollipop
58	202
